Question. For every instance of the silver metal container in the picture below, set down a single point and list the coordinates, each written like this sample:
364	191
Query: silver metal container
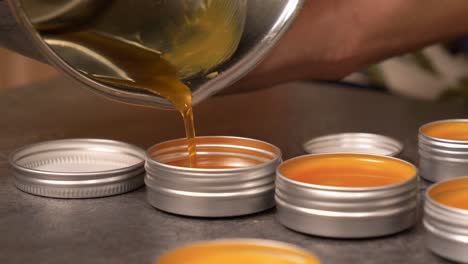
440	158
447	226
78	168
25	24
366	143
247	187
247	250
347	212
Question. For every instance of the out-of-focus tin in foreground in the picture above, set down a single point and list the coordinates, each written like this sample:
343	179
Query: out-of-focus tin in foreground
236	251
233	176
443	149
347	195
446	219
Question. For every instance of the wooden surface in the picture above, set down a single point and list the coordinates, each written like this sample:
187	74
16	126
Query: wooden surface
125	229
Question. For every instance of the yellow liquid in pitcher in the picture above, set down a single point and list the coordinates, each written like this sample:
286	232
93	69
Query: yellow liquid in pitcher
146	70
206	39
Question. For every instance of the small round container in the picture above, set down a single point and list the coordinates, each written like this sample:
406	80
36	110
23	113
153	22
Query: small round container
78	168
364	143
446	219
443	149
347	195
234	176
238	251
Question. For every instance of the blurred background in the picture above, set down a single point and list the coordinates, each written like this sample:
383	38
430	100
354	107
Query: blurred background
17	71
438	72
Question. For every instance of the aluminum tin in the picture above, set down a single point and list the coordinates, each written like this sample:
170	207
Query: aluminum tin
354	143
212	192
442	159
447	227
344	212
271	244
78	168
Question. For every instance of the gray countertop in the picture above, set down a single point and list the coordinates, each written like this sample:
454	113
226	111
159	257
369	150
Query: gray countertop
126	229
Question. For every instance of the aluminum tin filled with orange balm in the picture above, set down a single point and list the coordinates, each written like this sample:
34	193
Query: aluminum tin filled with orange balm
446	219
236	251
347	195
232	176
443	149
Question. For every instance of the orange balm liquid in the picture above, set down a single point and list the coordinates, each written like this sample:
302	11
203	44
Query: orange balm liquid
216	162
453	193
451	130
347	170
236	253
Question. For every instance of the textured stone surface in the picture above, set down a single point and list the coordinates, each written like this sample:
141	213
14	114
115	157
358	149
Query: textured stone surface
126	229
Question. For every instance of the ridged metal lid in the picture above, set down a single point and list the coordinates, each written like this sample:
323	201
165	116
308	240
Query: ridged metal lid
78	168
364	143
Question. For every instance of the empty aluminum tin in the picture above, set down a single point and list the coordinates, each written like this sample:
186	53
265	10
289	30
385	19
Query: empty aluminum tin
247	187
78	168
238	251
447	226
366	143
442	158
347	212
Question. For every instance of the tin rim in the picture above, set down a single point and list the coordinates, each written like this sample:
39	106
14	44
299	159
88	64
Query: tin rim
441	205
275	157
12	159
441	122
375	138
244	241
346	189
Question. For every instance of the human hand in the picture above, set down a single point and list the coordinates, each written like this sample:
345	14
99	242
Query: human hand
332	38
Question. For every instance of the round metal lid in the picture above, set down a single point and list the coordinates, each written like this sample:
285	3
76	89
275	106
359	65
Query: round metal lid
78	168
364	143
